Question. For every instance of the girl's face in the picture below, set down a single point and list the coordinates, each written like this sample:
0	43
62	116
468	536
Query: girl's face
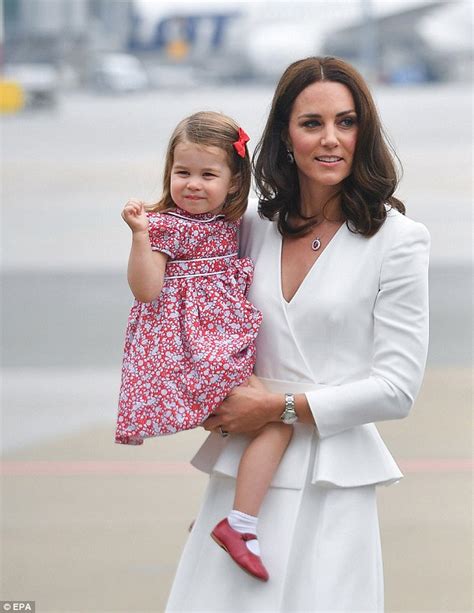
200	178
322	133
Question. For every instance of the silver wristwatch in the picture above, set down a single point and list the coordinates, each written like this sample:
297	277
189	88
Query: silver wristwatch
289	415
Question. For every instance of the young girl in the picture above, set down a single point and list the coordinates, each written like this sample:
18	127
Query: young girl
191	331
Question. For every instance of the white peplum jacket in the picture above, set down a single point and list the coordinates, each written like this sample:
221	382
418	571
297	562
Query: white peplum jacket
354	339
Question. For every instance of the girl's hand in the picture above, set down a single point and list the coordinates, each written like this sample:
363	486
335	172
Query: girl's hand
134	215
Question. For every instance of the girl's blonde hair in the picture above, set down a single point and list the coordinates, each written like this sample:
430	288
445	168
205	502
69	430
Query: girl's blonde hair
210	129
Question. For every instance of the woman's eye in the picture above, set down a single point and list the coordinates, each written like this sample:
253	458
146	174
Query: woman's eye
182	173
311	123
209	175
348	122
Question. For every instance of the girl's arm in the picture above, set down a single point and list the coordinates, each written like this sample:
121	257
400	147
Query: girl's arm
146	268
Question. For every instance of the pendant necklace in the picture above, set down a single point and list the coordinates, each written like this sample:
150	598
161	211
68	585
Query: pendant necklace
316	243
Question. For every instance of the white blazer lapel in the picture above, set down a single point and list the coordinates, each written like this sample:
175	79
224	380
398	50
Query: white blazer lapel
276	335
296	311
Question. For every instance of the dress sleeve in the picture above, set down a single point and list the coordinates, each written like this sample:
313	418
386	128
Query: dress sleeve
164	233
400	344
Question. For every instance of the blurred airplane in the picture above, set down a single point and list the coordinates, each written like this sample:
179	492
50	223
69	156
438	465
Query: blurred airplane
407	46
233	40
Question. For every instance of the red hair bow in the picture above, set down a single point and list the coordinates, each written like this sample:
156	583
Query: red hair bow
239	144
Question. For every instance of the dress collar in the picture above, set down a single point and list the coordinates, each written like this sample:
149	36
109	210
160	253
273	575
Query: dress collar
200	217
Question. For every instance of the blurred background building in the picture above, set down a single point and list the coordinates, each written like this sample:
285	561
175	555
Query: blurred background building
55	30
135	44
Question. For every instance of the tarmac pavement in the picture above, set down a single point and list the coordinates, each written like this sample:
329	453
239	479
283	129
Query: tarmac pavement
92	526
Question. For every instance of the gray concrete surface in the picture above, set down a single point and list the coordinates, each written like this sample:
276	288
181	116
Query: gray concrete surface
79	318
93	527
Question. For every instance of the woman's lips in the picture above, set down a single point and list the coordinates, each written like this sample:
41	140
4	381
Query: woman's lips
329	160
193	197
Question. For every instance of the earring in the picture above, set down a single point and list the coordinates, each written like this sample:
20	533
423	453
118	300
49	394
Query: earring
290	157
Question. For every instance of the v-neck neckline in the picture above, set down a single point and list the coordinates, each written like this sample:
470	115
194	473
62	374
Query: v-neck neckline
315	265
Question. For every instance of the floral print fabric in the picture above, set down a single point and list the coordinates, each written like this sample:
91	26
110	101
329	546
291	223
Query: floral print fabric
186	350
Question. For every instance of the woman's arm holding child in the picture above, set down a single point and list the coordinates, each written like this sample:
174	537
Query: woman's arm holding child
146	268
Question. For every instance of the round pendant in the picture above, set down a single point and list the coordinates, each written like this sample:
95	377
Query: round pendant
316	244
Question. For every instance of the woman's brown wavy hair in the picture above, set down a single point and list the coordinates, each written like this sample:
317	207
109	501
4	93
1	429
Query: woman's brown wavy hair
210	129
373	178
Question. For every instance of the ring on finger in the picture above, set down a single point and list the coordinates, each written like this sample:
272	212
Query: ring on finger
223	432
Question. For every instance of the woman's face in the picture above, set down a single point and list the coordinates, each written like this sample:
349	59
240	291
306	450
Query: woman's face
322	134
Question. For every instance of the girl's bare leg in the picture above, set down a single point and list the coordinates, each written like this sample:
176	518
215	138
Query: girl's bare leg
237	533
258	465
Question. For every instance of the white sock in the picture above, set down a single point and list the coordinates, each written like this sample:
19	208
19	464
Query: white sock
243	523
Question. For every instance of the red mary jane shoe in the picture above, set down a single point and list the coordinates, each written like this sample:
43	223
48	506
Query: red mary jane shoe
234	543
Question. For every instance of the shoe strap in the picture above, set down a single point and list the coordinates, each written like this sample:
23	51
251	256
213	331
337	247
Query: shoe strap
249	537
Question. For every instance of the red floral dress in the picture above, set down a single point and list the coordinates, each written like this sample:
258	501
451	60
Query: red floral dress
186	350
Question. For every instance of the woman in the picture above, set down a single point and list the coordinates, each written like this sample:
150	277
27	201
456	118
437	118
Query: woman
341	280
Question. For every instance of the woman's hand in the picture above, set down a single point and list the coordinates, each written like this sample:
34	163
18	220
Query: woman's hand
135	216
256	383
246	409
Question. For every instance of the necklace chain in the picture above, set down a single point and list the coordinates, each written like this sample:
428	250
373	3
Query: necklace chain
316	242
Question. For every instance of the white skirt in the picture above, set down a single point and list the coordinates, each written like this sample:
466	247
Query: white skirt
320	545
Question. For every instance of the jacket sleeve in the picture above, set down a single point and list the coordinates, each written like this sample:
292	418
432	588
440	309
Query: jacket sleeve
399	348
